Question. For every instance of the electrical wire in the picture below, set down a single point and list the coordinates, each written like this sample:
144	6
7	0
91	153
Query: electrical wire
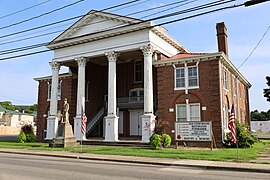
137	12
168	22
41	15
25	9
65	20
207	5
263	36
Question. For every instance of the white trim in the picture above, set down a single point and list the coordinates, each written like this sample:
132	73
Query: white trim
186	78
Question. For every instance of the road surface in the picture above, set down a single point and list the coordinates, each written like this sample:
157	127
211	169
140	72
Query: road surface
27	167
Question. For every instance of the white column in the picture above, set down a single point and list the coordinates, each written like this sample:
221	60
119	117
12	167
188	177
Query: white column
52	120
148	118
81	61
111	130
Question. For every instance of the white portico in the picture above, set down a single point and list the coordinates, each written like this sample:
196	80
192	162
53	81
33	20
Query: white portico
99	36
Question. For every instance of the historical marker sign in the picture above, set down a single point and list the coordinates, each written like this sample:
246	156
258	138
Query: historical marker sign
193	131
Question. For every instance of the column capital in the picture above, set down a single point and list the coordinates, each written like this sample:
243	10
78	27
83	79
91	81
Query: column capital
112	55
55	65
81	61
147	50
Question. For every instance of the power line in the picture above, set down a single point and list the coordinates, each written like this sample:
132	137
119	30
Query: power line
207	5
170	8
264	34
25	9
168	22
61	21
137	12
41	15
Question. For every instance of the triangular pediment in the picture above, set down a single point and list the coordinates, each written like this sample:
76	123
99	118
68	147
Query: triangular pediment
93	22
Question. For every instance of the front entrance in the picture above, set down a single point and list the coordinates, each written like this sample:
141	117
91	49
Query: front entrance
136	122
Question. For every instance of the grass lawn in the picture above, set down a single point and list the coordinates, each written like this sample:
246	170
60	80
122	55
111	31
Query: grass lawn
222	154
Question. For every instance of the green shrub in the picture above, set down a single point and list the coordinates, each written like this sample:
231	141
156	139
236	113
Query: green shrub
30	137
244	136
21	137
155	141
159	141
166	140
26	134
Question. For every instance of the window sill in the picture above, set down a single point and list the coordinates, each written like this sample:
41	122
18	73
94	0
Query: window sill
195	87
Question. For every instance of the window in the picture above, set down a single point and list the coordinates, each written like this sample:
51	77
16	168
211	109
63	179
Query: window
192	77
58	91
136	95
226	118
138	71
49	91
180	77
188	112
186	77
87	91
225	79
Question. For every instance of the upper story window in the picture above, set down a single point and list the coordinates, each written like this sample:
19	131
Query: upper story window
188	112
186	77
225	79
180	77
58	91
138	71
192	76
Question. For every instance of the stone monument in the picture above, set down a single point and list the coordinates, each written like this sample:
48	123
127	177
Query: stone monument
64	136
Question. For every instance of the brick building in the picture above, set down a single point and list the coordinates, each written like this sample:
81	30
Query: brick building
127	77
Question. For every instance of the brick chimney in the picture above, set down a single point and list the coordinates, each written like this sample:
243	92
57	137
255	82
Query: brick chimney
222	37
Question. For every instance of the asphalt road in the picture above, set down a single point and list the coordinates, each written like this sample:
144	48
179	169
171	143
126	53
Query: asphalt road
27	167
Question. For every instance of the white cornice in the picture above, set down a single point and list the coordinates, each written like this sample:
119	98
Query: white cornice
161	32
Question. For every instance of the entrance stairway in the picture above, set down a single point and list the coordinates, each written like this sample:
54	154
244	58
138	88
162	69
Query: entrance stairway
97	118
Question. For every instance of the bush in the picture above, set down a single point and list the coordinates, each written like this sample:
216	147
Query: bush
244	136
166	140
155	141
31	137
21	137
159	141
26	134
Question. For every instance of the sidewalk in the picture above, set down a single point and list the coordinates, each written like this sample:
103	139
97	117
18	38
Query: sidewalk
232	166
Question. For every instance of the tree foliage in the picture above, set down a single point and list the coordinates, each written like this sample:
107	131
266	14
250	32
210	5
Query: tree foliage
260	116
8	105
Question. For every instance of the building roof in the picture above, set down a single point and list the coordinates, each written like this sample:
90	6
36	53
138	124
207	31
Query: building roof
69	37
184	55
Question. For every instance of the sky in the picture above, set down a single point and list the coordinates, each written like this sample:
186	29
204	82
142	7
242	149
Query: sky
246	26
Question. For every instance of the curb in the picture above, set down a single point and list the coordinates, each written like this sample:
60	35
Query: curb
209	167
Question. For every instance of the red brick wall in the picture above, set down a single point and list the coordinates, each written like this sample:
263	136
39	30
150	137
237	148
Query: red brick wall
207	95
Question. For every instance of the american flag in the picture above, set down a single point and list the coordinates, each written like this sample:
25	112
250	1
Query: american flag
232	126
84	120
